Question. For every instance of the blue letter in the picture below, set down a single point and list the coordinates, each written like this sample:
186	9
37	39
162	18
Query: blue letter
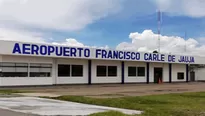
66	51
87	52
50	50
80	51
104	53
25	48
145	56
43	50
137	56
59	52
120	54
34	49
16	49
98	52
73	52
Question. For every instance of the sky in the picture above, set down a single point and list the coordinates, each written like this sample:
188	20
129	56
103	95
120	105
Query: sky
109	24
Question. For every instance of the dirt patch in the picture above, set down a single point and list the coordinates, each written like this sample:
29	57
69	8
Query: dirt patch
117	90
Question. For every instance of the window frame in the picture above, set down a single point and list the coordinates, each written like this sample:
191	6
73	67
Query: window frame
178	76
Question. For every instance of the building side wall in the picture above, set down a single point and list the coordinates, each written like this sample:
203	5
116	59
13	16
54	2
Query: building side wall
73	80
159	65
115	79
16	81
178	68
136	79
199	74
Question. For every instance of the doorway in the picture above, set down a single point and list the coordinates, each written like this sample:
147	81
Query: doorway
158	74
192	76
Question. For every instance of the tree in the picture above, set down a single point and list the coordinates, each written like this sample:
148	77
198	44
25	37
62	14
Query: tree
155	51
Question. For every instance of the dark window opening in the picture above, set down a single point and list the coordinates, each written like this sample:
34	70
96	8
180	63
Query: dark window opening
77	70
101	71
180	75
132	71
140	71
63	70
112	70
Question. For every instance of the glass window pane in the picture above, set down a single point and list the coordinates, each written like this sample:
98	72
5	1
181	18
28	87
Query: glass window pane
132	71
180	75
63	70
101	71
140	71
112	70
77	70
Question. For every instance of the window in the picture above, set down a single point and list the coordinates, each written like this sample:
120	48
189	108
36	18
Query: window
63	70
40	70
132	71
14	69
180	75
140	71
101	71
77	70
112	70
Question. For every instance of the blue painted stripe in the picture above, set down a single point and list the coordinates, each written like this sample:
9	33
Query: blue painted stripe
89	72
187	73
123	72
170	73
147	72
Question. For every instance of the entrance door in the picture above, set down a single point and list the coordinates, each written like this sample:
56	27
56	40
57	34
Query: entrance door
158	74
192	76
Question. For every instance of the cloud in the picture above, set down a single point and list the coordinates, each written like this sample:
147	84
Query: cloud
69	15
19	35
73	42
147	41
193	8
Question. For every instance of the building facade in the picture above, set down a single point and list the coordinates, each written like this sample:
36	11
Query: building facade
47	64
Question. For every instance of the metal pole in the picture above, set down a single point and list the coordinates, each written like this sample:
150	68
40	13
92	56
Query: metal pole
159	29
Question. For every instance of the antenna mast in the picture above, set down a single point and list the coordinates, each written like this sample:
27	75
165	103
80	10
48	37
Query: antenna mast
159	29
185	41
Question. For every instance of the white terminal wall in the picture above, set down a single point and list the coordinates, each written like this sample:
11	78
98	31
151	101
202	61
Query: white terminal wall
178	68
200	74
114	79
137	78
12	81
73	80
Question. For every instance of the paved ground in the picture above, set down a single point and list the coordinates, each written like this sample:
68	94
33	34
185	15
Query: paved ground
114	90
49	107
4	112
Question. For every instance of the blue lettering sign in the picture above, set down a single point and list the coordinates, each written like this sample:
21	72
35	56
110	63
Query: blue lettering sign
26	49
16	49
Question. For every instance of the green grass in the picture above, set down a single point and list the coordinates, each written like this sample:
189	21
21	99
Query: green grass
10	91
185	104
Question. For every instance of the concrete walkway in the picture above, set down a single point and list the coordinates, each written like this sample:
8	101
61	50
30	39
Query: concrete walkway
46	107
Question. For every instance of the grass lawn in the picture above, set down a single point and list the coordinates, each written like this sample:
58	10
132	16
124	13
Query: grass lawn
184	104
10	91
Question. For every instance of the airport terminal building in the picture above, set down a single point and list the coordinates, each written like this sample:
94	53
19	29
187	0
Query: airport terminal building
47	64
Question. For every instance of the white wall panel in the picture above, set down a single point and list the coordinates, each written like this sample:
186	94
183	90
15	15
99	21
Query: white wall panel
134	79
199	74
178	68
26	59
73	80
96	79
16	81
